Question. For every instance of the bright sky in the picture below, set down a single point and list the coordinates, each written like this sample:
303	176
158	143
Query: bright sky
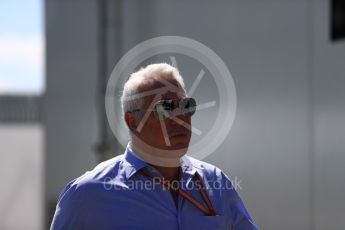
21	47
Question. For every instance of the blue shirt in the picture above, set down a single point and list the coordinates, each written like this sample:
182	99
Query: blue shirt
114	195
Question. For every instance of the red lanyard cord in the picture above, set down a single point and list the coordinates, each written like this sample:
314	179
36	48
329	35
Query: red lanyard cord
205	196
209	211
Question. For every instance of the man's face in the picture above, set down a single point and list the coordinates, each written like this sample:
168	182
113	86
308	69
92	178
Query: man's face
171	133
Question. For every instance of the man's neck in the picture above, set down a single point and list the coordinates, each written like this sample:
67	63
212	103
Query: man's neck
171	168
157	157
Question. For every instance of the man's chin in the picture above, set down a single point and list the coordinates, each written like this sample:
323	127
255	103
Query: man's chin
179	146
179	142
176	145
175	152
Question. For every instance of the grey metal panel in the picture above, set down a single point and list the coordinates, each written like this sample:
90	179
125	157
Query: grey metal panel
329	109
20	109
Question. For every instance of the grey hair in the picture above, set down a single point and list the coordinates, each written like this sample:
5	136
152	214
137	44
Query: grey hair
129	101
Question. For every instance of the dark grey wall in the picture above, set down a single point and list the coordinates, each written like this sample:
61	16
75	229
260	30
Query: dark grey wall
266	46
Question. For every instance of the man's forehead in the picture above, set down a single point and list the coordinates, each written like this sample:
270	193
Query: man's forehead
164	89
163	96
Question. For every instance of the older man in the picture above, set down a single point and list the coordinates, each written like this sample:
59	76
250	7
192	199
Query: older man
153	185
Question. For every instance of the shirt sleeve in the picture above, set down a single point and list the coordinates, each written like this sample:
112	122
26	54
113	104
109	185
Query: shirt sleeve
241	219
69	213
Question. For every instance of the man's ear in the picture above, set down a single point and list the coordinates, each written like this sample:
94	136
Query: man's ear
131	121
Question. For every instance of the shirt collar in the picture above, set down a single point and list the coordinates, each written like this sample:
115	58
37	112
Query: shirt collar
133	163
187	166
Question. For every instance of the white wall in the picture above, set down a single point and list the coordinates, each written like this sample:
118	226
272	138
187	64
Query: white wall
21	170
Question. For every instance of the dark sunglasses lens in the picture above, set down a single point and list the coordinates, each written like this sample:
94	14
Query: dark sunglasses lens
168	105
188	106
164	108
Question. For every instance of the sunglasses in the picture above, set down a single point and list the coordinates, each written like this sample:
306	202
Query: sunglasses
166	108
